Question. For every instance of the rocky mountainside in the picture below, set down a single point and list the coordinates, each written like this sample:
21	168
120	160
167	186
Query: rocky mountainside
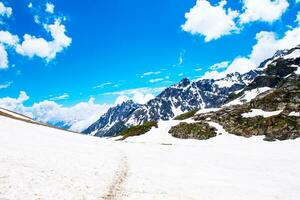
274	113
187	95
179	98
111	122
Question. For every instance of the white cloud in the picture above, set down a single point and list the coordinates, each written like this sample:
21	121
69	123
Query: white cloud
79	116
142	98
49	8
138	95
32	46
120	99
30	5
6	85
5	11
156	80
61	97
3	58
8	38
210	21
150	73
263	10
268	43
198	69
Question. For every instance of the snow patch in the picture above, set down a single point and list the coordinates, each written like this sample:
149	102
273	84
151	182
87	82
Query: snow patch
248	96
260	112
295	114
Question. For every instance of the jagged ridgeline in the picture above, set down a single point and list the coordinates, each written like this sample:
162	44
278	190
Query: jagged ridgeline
189	96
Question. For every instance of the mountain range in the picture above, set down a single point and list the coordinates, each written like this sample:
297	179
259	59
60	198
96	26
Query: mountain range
194	95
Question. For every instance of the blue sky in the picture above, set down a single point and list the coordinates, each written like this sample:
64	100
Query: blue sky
108	49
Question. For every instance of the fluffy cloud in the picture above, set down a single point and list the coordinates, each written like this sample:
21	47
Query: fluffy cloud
266	46
210	21
263	10
3	58
49	8
79	116
8	38
268	43
5	11
32	46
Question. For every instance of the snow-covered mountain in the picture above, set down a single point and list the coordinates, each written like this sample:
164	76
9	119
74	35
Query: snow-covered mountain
179	98
111	122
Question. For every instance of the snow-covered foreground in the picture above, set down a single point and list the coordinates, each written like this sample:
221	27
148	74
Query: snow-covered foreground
37	162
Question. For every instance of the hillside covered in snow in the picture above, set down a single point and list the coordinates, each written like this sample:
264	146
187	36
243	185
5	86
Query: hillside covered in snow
39	162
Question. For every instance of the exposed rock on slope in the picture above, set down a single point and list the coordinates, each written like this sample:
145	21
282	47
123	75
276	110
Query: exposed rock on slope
285	98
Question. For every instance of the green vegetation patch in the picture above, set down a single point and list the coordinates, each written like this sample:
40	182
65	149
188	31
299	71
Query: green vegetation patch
138	130
186	115
199	130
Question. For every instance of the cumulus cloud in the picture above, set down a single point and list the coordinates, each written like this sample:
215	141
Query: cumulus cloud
211	21
5	11
268	43
263	10
49	8
29	5
3	57
79	116
8	38
33	46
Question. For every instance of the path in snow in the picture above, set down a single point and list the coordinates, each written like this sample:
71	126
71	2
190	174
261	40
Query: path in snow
115	190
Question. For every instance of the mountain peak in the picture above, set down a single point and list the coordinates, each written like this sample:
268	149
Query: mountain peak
184	82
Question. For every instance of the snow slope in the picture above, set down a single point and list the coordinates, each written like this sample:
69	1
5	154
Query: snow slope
38	162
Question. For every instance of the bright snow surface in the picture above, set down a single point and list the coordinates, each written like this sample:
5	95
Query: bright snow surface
260	112
38	162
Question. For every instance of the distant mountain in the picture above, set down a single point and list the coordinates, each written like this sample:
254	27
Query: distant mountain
182	97
111	122
187	95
